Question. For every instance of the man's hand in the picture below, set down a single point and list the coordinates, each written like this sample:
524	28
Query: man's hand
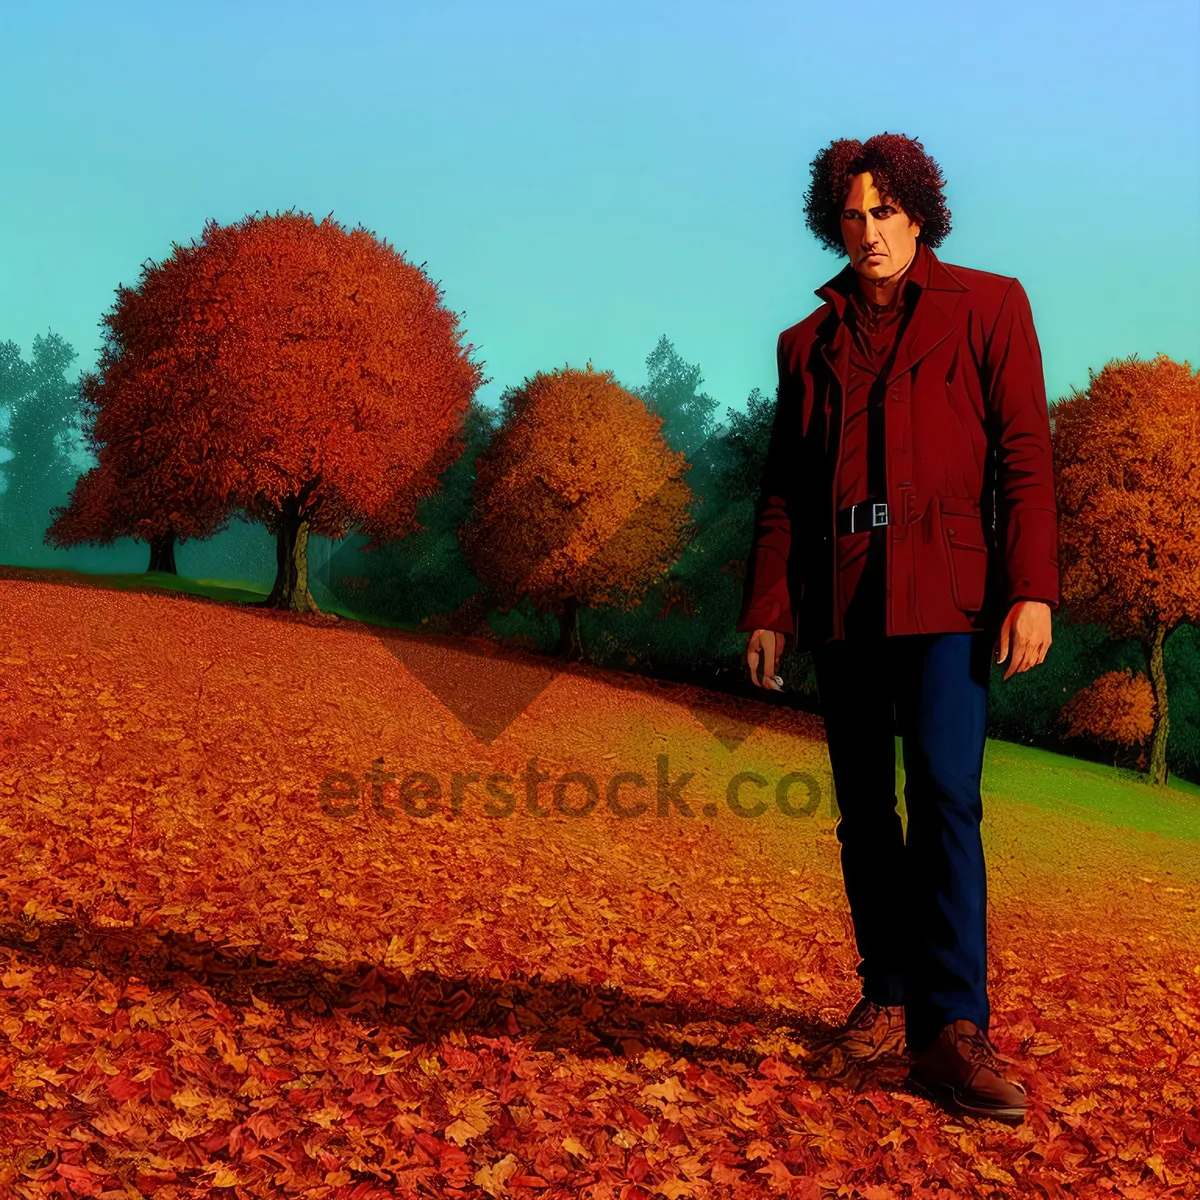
765	646
1027	628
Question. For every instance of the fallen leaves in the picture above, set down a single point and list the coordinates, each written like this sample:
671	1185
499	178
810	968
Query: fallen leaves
475	1114
494	1177
206	984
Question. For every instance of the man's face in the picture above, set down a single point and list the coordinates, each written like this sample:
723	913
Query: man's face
880	238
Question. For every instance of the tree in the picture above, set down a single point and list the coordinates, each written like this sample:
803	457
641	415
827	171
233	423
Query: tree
319	383
673	394
103	507
342	379
1127	465
15	376
745	444
578	500
14	383
45	406
1116	709
147	420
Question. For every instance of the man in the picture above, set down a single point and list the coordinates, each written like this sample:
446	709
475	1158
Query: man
907	526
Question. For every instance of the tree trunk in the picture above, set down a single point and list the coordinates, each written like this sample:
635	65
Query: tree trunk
570	645
290	591
162	554
1162	725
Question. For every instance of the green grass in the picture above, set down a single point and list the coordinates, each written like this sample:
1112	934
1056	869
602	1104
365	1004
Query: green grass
1087	791
235	593
1092	791
215	589
231	593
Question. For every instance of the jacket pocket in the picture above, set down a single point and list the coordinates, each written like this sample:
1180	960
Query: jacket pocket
967	550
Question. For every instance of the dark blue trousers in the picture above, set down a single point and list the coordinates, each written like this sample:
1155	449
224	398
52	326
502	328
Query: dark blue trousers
919	906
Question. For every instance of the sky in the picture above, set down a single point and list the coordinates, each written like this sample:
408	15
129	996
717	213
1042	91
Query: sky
581	178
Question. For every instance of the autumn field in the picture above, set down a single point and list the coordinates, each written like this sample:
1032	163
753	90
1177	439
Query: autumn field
223	972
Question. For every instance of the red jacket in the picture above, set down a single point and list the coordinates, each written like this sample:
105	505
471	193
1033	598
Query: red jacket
970	484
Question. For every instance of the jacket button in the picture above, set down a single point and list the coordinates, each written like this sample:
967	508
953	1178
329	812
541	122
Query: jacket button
949	530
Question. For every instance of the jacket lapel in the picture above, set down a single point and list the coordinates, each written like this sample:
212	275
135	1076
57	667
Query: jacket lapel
931	323
834	340
837	354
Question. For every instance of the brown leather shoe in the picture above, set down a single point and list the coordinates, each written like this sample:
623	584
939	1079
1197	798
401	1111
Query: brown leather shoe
962	1070
871	1030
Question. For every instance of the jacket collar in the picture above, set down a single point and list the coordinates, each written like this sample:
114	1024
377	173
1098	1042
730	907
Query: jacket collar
932	319
927	273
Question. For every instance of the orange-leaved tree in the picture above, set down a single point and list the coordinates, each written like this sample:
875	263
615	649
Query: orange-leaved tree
1116	709
322	383
341	379
148	419
103	507
578	501
1127	466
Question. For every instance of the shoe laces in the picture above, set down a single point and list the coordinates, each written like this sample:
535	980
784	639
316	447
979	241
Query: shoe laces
980	1050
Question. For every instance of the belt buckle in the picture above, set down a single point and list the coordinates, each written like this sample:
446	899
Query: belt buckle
879	514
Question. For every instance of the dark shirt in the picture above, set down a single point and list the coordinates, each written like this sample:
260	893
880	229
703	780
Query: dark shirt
875	333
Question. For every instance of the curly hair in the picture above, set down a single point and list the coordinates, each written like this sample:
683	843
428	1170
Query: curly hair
902	172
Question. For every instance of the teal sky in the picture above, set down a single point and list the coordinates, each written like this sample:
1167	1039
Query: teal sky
583	177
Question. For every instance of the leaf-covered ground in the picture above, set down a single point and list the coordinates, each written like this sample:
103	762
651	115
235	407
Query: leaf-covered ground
210	986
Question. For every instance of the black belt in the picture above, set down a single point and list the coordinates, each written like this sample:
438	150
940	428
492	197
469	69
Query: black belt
866	515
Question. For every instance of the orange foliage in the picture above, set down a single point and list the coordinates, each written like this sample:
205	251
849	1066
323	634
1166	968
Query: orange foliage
148	421
338	373
1127	465
305	375
98	512
1118	707
579	496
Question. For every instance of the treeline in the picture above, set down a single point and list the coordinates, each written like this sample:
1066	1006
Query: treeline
308	379
41	430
